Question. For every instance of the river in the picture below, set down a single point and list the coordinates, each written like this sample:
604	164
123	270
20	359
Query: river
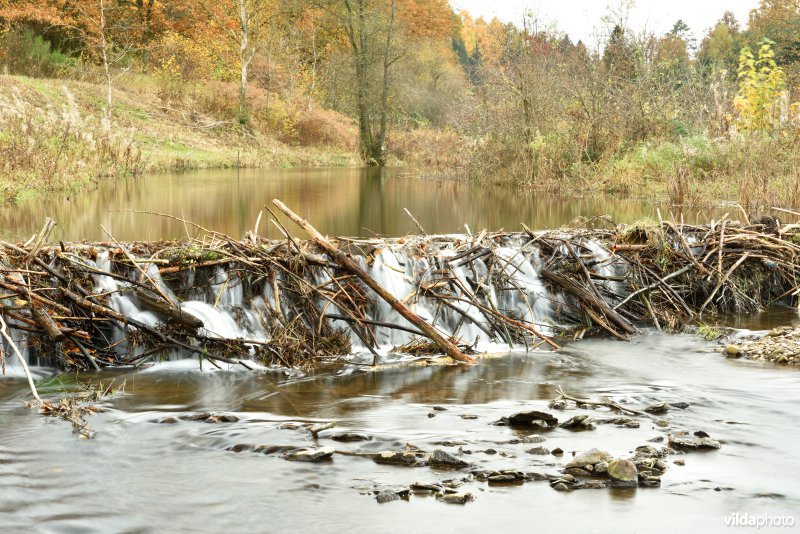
137	475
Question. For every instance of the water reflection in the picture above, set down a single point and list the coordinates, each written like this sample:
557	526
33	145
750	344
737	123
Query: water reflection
339	201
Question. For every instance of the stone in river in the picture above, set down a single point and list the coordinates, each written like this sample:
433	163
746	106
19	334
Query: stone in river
658	408
457	498
557	451
579	422
533	418
241	447
590	457
623	473
561	487
533	438
169	421
387	496
396	458
733	351
538	450
349	437
310	455
693	444
468	416
425	486
442	459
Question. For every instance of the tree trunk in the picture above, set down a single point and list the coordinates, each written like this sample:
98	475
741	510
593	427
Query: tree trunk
106	66
245	58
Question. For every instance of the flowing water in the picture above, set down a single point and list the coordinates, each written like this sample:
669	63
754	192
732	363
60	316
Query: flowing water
141	476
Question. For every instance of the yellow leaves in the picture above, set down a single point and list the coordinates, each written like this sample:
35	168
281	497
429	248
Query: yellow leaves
761	89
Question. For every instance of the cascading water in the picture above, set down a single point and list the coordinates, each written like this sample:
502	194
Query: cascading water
232	307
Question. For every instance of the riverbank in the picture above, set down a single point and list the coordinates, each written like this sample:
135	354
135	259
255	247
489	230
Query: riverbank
54	139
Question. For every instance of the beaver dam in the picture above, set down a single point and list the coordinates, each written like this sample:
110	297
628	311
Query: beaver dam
293	302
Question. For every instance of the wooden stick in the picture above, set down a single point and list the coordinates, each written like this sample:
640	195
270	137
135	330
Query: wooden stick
345	262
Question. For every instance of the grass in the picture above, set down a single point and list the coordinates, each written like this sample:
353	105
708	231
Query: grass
52	140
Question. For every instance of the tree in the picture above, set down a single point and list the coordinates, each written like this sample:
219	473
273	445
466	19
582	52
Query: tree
369	29
762	86
682	30
245	24
719	48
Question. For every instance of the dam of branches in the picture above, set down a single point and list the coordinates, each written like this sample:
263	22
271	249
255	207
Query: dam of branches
292	302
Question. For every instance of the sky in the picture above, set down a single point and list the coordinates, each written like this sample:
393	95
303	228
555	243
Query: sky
580	19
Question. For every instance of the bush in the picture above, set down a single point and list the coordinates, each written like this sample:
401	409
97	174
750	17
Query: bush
24	52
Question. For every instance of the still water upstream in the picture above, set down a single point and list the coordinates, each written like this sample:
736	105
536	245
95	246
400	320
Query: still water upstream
137	475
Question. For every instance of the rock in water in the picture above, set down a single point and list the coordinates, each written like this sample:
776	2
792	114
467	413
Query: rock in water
441	459
590	457
695	443
457	498
348	437
733	351
623	473
658	408
310	455
580	422
387	496
396	458
538	450
533	418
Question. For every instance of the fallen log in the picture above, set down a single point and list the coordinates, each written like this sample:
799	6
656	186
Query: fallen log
341	258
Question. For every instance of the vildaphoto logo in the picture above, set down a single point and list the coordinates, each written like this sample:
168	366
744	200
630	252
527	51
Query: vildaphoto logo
737	519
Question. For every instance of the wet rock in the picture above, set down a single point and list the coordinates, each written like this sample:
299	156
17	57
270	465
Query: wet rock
457	498
694	443
557	452
532	418
424	486
590	457
441	459
538	450
601	468
502	479
533	438
272	449
468	416
348	437
623	473
310	455
579	422
701	434
439	409
490	451
627	422
241	447
658	408
679	405
647	451
169	421
289	426
733	351
387	496
431	415
559	404
679	461
560	486
579	472
657	439
211	418
397	458
663	423
650	482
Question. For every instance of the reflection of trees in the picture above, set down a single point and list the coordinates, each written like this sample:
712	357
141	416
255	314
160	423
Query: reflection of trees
336	201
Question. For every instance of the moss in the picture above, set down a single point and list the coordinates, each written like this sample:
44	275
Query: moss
707	332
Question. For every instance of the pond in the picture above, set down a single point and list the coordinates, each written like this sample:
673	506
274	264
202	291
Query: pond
338	201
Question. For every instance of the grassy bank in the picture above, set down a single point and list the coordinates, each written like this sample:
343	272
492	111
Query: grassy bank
53	137
755	171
